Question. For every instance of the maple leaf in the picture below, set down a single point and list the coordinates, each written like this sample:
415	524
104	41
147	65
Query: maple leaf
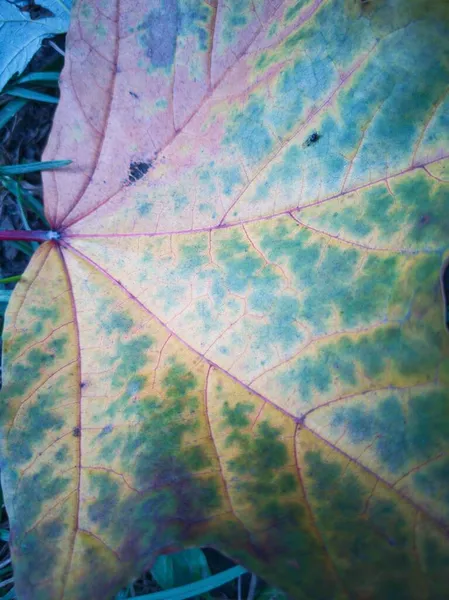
238	338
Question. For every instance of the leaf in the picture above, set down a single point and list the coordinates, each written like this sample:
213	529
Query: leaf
238	339
23	28
180	568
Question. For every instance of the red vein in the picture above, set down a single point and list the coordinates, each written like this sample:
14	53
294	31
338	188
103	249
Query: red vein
49	248
43	340
435	520
426	125
309	510
79	419
59	502
318	340
225	483
110	99
38	456
102	542
35	390
420	466
430	174
357	244
113	472
362	137
287	212
364	393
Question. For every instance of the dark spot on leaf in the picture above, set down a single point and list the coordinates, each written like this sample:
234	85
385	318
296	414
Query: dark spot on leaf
35	11
137	170
76	431
424	219
133	94
107	429
312	139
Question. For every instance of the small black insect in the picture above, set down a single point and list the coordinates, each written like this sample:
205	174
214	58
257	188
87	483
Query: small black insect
312	139
133	94
83	384
76	431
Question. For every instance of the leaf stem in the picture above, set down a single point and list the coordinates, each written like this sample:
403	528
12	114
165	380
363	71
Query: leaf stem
37	236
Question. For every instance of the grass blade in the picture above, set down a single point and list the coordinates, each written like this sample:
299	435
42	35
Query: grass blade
21	211
20	92
40	76
252	587
6	582
24	247
26	226
11	279
11	595
33	167
9	110
5	571
56	47
29	200
199	587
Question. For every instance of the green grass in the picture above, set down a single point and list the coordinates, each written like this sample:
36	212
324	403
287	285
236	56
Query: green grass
33	167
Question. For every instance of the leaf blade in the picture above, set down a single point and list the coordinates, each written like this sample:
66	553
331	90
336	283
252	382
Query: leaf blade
279	239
